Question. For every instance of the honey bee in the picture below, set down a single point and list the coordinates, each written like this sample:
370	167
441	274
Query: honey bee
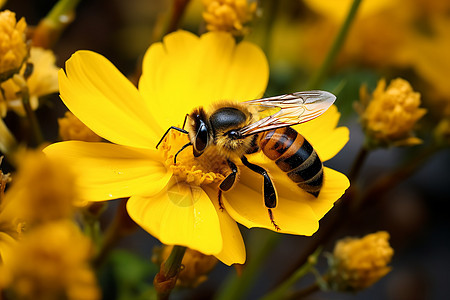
237	129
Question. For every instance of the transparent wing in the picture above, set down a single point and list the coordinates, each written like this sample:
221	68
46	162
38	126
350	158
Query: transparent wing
293	108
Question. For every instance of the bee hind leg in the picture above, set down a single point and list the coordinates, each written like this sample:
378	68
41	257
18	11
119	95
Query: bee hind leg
270	195
272	220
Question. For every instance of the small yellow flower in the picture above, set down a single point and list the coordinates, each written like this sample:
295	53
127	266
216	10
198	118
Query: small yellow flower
42	189
359	263
228	15
42	81
196	265
71	128
51	262
428	55
13	47
8	228
178	203
390	115
442	132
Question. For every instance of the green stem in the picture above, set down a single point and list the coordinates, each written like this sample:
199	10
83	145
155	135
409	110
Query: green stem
282	289
236	287
25	94
49	29
119	227
301	294
317	79
61	9
358	163
390	180
166	279
178	9
173	262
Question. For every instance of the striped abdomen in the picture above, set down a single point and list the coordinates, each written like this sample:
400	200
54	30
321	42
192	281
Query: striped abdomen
294	155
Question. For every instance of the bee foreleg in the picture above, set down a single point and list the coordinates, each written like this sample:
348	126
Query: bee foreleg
181	149
270	196
228	182
167	131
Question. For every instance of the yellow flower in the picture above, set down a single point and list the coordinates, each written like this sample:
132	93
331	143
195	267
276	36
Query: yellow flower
391	114
338	10
364	45
359	263
51	262
178	203
428	55
71	128
442	132
8	228
13	47
42	81
228	15
42	189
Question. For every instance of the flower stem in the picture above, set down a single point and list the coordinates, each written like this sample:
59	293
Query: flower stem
317	79
281	290
50	28
304	292
178	9
358	163
120	227
236	287
166	279
25	94
390	180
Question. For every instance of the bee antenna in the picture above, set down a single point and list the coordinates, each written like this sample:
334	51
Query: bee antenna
182	148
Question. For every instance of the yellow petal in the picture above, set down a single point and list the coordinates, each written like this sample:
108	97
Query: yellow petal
245	204
233	251
106	101
186	71
297	211
323	135
180	215
6	244
109	171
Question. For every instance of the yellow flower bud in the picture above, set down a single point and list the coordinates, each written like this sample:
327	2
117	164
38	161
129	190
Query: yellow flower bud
42	189
71	128
442	132
390	115
228	15
51	262
359	263
13	47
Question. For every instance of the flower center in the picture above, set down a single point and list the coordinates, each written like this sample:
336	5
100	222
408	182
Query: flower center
209	168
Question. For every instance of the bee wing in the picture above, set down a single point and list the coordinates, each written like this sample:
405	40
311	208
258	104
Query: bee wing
294	108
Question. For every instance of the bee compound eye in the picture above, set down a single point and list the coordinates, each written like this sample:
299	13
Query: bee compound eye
201	139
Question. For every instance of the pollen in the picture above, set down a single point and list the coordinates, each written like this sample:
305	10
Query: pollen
209	168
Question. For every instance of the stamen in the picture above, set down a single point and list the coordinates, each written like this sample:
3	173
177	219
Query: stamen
209	168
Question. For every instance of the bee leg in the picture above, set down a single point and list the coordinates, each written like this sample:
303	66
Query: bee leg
272	220
181	149
228	182
167	131
219	197
270	196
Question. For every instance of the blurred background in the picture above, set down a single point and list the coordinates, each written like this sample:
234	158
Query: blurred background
388	39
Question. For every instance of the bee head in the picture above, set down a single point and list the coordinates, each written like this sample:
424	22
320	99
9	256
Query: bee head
199	133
